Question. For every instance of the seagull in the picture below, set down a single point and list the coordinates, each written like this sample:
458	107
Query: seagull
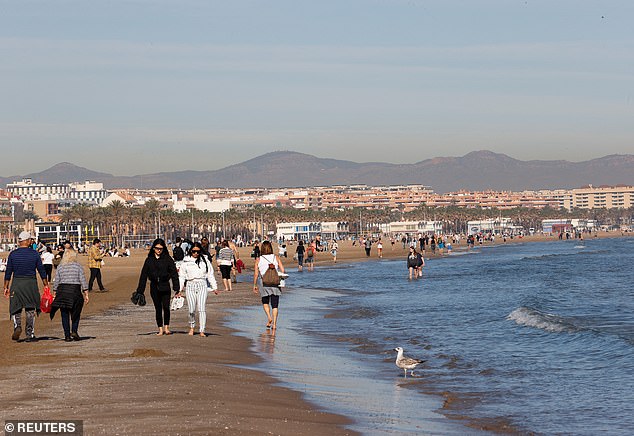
406	363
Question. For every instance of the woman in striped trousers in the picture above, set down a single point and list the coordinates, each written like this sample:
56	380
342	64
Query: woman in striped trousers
196	276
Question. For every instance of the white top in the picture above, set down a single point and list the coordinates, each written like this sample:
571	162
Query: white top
47	258
189	270
265	259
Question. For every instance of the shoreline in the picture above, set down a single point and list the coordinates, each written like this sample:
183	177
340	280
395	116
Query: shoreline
131	347
123	379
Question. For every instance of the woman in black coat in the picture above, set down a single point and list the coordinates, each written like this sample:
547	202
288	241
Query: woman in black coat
159	268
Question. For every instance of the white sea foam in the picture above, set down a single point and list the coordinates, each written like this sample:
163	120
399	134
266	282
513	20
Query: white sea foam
534	318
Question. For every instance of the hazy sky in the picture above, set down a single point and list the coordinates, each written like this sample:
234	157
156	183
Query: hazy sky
140	86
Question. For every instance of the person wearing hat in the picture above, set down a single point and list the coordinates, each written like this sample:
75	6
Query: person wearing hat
95	257
20	286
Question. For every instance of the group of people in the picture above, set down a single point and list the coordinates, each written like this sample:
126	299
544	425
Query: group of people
70	288
191	273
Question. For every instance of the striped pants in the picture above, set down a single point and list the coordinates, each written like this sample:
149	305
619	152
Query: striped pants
196	293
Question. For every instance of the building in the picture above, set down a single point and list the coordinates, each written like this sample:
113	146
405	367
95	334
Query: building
303	231
412	227
603	197
492	225
52	233
26	190
88	192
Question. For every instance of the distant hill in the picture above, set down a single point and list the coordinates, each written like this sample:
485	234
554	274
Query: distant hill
478	170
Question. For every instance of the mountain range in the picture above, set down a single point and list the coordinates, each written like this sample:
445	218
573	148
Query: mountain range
478	170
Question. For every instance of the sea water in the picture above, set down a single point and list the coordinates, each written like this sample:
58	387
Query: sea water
518	338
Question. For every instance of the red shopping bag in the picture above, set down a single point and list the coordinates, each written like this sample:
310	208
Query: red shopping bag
46	301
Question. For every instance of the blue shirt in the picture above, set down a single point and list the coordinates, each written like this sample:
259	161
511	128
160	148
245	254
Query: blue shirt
24	262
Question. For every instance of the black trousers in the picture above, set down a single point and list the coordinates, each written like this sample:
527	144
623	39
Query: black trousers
95	273
162	307
49	271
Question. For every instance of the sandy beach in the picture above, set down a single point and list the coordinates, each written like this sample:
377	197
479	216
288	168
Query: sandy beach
123	379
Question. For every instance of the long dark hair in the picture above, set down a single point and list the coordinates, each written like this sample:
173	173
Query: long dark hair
201	255
158	241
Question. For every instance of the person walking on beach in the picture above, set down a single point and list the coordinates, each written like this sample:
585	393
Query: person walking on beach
159	268
95	257
71	293
225	264
379	249
197	279
270	294
23	264
368	246
47	260
299	251
333	250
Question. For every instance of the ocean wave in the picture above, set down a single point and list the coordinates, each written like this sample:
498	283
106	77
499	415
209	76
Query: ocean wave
528	317
549	256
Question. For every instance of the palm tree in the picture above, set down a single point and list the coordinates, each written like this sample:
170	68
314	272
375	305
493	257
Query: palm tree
117	210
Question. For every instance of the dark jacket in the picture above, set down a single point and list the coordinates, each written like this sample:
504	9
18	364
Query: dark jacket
159	272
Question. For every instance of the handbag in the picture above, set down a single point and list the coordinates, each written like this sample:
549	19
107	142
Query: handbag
46	301
177	303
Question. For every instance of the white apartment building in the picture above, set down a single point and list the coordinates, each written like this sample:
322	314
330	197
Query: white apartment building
26	190
603	197
88	192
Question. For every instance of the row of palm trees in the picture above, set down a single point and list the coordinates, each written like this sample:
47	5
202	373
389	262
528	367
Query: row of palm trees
118	221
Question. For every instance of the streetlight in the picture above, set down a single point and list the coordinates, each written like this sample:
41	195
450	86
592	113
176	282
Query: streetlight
223	224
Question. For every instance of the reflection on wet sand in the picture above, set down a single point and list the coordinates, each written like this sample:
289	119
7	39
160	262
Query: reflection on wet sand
267	342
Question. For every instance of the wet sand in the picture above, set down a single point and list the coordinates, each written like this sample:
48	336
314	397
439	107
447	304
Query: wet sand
123	379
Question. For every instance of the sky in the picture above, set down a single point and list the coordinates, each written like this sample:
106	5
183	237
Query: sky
140	86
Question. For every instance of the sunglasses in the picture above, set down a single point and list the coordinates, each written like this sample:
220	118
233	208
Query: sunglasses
158	248
195	251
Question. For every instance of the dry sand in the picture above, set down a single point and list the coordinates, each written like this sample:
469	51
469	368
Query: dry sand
123	379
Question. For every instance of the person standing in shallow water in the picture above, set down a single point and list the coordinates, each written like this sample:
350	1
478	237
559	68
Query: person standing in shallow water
159	268
300	251
270	294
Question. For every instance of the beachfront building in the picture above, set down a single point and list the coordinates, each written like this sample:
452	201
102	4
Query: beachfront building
602	197
27	190
493	225
303	231
11	213
334	230
52	233
412	228
88	192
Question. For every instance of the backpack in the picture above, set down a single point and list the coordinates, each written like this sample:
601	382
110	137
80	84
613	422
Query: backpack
271	277
310	252
178	253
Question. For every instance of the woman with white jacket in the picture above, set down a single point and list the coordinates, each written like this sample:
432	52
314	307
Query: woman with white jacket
197	277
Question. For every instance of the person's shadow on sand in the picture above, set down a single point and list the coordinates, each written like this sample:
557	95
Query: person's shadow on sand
175	332
55	338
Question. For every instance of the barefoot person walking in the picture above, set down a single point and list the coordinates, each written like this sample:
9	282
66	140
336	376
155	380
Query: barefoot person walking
197	278
270	294
159	268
